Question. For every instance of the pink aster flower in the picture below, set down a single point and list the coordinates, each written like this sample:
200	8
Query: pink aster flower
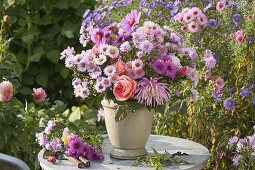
207	74
125	47
39	95
193	27
210	62
220	6
146	46
219	83
6	91
150	92
131	19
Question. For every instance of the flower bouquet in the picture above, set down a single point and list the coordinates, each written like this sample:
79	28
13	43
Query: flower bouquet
60	143
136	65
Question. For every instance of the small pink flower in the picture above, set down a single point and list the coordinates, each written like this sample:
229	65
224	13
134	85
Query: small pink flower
193	27
207	74
6	91
220	6
219	83
232	36
240	39
39	95
184	28
239	32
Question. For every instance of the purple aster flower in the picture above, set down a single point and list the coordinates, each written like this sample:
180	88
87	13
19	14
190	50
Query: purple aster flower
253	101
140	73
125	47
56	144
210	62
106	82
194	95
233	140
82	66
236	159
237	19
212	22
114	77
229	103
42	139
128	23
75	146
159	66
170	70
146	46
49	127
245	92
217	93
132	73
232	91
150	92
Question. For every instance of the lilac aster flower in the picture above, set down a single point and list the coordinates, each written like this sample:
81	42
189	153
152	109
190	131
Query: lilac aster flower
137	64
112	51
229	103
232	91
125	47
69	51
106	82
132	73
42	139
236	159
194	95
253	101
237	19
217	93
82	66
146	46
131	19
219	83
140	73
233	140
150	92
210	62
100	114
49	127
56	144
159	67
245	92
170	70
114	77
100	87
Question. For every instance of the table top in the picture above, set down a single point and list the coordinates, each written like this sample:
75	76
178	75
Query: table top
198	156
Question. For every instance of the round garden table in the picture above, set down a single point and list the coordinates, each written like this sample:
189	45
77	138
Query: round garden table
198	156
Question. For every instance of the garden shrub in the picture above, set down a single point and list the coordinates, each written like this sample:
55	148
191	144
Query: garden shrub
41	29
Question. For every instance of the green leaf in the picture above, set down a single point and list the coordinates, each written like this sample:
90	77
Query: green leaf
64	72
53	56
27	38
8	3
42	80
62	4
28	79
120	113
38	52
175	107
68	34
47	6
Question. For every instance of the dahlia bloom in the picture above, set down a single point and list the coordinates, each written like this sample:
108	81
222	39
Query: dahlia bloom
150	92
39	95
6	91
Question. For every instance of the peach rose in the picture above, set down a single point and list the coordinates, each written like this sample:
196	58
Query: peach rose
6	91
39	95
120	67
124	88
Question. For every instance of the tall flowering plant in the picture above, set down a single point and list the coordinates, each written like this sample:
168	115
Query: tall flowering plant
134	59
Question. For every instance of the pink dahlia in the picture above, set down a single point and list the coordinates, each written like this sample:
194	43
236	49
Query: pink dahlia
6	91
150	92
128	23
39	95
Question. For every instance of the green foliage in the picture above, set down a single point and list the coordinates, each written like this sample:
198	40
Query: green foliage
41	30
158	160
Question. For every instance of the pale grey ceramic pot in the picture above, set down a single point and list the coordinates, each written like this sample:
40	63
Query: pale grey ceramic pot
130	135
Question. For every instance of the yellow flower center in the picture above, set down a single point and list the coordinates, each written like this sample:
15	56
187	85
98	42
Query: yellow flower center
99	36
112	51
131	22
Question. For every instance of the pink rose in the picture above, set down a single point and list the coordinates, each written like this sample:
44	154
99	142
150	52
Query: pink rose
239	39
39	95
6	91
120	67
124	88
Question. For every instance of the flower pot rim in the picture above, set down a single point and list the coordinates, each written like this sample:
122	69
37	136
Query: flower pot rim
109	103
